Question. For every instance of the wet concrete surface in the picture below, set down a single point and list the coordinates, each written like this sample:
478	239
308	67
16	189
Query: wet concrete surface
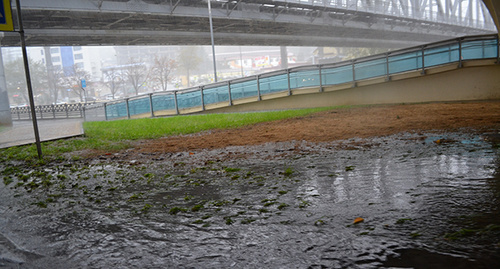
428	200
22	132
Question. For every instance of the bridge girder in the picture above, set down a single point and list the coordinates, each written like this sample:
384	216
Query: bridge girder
389	23
494	8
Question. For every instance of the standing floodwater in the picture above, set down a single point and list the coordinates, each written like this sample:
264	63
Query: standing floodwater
421	201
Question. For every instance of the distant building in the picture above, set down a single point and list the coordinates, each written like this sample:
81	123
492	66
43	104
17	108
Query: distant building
143	54
90	59
326	55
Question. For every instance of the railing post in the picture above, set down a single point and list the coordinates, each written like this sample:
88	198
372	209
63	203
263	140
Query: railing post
482	47
320	79
66	108
498	49
423	61
229	90
202	99
53	111
259	98
128	109
460	53
18	114
80	108
353	74
41	111
84	115
176	104
450	60
106	111
288	80
388	76
151	105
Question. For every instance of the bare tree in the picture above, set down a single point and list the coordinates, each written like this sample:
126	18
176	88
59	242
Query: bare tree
136	74
74	75
189	59
114	79
16	79
162	69
55	78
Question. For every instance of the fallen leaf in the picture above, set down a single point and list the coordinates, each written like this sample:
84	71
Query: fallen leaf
358	220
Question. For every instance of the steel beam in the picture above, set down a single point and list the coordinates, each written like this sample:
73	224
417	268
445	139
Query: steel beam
298	20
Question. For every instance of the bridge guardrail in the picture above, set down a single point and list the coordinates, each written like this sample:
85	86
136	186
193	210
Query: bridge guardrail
284	81
398	9
60	111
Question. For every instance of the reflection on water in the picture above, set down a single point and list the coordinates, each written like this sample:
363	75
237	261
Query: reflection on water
423	204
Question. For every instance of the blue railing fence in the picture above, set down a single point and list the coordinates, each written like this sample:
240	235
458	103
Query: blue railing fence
385	65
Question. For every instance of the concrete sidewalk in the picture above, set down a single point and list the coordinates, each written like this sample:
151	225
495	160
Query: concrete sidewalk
21	133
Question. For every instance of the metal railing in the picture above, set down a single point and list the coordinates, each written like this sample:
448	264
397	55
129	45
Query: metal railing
285	81
60	111
469	14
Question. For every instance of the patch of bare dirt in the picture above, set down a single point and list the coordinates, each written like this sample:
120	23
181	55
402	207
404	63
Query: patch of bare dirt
337	124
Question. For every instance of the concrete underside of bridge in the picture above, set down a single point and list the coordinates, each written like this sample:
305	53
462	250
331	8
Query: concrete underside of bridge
478	80
264	22
494	8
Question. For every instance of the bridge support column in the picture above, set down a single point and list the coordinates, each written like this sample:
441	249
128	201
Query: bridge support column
284	57
5	117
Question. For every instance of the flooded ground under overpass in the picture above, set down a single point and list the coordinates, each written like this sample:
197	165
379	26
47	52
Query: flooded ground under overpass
419	200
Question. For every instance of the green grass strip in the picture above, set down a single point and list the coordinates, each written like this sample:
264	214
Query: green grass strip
151	128
116	135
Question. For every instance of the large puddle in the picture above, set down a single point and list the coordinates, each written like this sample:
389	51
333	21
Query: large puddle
425	201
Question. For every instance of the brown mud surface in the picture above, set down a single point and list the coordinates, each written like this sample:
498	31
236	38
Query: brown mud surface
338	124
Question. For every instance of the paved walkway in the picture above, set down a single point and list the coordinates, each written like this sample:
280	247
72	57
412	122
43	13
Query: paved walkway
21	133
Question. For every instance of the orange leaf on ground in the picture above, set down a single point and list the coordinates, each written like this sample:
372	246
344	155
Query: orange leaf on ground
358	220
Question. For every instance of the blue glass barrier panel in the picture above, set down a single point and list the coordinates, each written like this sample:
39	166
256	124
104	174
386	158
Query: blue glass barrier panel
139	106
337	75
163	102
306	78
273	84
188	99
116	110
370	69
244	89
405	62
490	49
441	55
216	95
479	49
